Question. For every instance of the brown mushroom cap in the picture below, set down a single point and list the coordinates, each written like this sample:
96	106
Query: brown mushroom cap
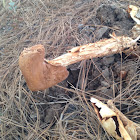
38	73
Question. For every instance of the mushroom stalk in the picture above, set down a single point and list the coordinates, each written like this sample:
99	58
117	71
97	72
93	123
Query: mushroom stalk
91	50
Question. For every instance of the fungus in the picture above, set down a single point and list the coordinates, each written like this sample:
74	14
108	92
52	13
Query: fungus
38	73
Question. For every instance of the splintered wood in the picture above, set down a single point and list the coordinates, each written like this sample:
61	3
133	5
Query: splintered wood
91	50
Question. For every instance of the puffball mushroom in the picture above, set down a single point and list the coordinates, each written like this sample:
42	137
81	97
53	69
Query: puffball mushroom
38	73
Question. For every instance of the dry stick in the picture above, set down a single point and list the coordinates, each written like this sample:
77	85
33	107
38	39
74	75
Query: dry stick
98	49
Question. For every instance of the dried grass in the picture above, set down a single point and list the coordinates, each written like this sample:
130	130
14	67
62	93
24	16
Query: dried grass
53	24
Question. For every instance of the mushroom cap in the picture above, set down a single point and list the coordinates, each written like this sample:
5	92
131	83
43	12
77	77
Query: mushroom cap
38	73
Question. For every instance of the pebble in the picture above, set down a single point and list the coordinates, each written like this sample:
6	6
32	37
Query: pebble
87	30
101	32
105	84
108	60
105	72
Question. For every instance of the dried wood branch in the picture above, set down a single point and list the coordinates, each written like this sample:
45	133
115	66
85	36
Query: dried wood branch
97	49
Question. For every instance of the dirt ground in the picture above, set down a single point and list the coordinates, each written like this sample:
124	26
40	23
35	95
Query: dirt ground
64	112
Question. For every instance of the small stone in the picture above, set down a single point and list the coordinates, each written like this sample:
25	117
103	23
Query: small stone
105	72
101	32
108	60
86	30
105	84
123	74
52	112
